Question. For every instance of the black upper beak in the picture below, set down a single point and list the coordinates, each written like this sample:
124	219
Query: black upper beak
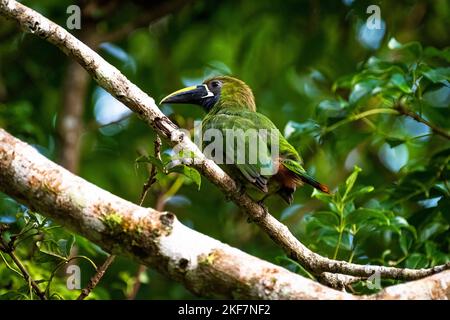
193	94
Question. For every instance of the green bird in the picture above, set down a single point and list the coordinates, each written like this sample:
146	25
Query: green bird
230	107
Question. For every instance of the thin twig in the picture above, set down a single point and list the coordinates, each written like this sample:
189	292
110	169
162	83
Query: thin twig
8	249
403	110
27	276
137	283
102	269
159	206
152	177
338	281
96	278
359	116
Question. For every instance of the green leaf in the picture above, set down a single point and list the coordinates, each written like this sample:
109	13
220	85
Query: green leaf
359	192
362	89
416	261
398	224
438	74
412	48
382	67
399	81
190	173
295	130
433	52
62	247
393	141
434	254
432	229
406	242
14	295
69	244
50	250
324	197
443	206
332	108
438	98
152	160
321	220
348	207
345	82
347	241
368	217
329	240
326	218
351	179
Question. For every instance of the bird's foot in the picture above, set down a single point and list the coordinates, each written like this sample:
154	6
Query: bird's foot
262	215
240	190
263	207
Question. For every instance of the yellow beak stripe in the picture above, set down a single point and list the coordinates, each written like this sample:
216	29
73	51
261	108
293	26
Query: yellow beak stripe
178	92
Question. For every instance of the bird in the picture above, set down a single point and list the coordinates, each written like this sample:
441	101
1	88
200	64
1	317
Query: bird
229	104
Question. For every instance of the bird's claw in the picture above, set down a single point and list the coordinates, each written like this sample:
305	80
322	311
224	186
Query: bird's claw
261	216
240	190
263	207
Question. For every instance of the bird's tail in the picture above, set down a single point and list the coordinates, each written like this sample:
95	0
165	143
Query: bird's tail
311	181
301	173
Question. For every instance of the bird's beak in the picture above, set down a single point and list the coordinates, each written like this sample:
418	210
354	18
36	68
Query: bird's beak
193	94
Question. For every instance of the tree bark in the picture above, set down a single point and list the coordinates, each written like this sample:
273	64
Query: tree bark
204	265
138	101
76	79
70	125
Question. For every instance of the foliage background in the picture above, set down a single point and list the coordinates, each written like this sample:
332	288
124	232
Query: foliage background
311	64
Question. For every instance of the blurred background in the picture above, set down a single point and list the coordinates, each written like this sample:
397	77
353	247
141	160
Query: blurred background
313	66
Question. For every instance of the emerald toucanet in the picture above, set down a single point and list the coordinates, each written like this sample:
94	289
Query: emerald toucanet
230	106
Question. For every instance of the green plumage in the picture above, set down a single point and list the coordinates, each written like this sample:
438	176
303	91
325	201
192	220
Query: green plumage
233	118
231	108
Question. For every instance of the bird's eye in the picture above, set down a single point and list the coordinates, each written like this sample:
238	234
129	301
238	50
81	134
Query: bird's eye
215	84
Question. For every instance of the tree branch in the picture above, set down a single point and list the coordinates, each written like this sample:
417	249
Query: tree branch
137	282
70	123
100	272
7	248
120	87
76	80
205	266
152	174
157	239
102	269
338	281
403	110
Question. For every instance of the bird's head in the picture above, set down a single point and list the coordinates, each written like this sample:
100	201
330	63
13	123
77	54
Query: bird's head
216	92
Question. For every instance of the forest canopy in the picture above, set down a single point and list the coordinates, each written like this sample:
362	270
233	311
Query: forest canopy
367	107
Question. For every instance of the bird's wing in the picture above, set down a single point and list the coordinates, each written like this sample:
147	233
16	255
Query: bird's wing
250	152
286	150
288	156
